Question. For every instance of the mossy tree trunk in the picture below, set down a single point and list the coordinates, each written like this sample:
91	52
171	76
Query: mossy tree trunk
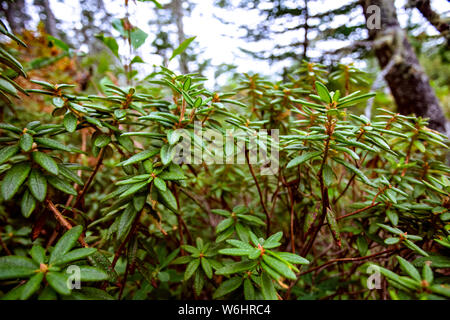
407	80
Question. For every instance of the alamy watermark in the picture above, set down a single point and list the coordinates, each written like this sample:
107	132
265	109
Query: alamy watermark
374	281
373	20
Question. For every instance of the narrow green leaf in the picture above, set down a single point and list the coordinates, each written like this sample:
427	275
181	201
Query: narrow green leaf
13	179
224	224
27	204
303	158
160	184
46	162
26	142
279	267
61	185
58	282
75	255
139	157
37	184
190	268
227	286
31	286
38	254
8	152
12	267
268	290
183	46
65	243
52	144
88	273
206	267
323	92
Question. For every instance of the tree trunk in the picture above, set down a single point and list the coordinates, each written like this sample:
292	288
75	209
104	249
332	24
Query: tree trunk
407	81
50	21
305	40
178	14
433	17
15	14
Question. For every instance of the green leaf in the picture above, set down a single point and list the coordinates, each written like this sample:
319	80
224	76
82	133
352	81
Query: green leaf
102	140
236	267
392	216
251	219
70	122
69	174
37	184
346	101
160	184
167	154
12	267
58	282
183	46
27	204
391	240
52	144
10	127
13	179
74	255
65	243
88	273
427	273
199	282
46	162
249	290
26	142
437	261
206	267
224	224
334	228
328	175
139	157
236	251
293	258
38	254
409	268
355	170
100	261
198	102
190	268
31	286
414	247
362	245
134	188
273	241
323	92
8	152
390	229
110	42
48	294
303	158
227	286
126	142
137	37
279	267
168	199
61	185
171	175
126	220
268	290
441	289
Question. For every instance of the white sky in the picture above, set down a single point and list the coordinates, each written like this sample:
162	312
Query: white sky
217	41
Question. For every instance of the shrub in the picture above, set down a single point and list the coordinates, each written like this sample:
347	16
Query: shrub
345	193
